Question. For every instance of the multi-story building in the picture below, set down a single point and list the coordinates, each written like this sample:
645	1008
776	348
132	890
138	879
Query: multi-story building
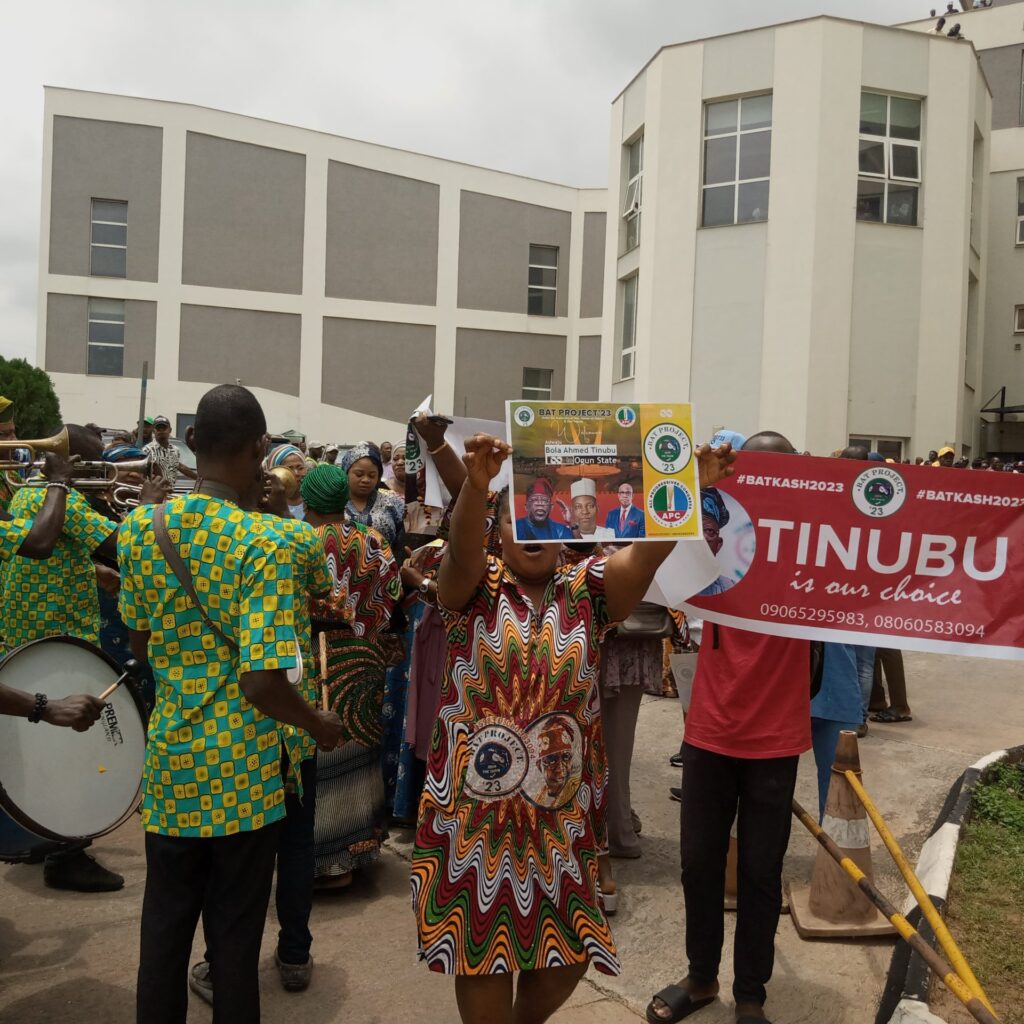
797	235
344	282
800	243
997	33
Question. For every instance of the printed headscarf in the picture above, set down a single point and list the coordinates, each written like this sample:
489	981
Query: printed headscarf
119	452
325	488
280	453
364	450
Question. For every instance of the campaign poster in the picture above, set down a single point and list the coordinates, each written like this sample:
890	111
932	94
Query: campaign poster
594	471
879	554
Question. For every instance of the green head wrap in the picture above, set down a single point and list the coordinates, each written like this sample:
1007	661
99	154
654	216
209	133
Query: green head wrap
325	488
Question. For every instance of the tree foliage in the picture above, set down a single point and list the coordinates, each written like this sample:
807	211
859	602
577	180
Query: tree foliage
36	406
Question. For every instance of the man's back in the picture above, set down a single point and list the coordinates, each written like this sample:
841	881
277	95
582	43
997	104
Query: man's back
213	760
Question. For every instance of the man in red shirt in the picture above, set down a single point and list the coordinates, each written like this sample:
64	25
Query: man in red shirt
748	723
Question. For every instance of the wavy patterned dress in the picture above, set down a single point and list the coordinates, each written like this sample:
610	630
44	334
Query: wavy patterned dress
504	869
365	585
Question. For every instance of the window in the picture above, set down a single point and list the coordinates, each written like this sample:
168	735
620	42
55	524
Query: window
543	282
109	238
1020	211
627	350
1018	319
1020	113
890	159
537	384
634	193
737	160
106	337
887	447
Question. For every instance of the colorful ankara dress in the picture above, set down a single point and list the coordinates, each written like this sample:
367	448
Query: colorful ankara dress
504	870
365	586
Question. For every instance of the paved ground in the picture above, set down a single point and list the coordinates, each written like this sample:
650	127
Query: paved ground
72	958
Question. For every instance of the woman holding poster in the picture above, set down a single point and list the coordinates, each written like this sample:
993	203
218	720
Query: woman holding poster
504	870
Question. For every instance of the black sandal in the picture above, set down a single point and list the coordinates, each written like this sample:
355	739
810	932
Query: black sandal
890	715
679	1002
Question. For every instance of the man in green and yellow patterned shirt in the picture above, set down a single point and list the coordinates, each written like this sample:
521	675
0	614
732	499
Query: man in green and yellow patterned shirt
213	795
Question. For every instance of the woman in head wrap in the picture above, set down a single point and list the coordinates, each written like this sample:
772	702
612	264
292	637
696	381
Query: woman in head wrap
288	456
365	588
368	504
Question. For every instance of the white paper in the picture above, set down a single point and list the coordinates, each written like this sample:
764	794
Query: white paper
687	571
458	431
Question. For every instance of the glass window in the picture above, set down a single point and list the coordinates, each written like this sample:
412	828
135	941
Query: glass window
737	161
1020	211
537	384
634	192
108	238
1018	320
889	157
542	280
627	350
106	337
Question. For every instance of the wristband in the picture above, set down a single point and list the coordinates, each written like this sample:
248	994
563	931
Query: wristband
442	445
40	708
66	488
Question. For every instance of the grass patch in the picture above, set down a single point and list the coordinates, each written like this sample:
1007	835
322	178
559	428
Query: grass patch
986	899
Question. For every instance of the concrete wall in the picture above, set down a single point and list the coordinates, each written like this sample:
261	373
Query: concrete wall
381	236
67	331
495	236
221	345
244	209
588	373
489	369
1002	67
94	159
592	285
382	369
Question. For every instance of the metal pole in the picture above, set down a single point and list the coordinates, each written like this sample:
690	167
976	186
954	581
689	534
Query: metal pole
924	901
142	402
974	1005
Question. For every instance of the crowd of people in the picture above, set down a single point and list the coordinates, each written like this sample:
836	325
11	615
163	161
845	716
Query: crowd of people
326	656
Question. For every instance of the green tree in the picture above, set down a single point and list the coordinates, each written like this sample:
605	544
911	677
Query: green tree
36	406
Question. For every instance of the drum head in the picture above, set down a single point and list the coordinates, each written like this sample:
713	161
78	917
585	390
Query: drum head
59	783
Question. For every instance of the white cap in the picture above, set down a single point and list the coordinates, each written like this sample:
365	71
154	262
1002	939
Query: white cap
583	488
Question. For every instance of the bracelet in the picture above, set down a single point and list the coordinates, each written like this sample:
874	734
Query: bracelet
40	708
442	445
66	488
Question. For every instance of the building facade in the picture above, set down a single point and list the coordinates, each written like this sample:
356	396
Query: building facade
997	33
342	281
811	249
815	227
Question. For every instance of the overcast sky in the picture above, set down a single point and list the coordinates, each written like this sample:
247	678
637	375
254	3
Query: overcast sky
519	85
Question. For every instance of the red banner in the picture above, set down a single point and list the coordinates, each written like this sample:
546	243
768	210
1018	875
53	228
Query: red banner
921	558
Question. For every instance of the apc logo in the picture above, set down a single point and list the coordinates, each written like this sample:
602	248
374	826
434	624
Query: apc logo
625	416
879	492
669	503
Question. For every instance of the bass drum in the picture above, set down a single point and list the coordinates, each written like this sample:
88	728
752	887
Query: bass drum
58	785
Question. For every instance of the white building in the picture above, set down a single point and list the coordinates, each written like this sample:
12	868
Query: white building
795	235
343	281
811	248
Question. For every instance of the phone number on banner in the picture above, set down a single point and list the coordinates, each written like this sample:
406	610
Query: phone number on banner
898	623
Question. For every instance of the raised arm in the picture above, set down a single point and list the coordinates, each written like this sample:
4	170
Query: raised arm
465	559
446	460
49	520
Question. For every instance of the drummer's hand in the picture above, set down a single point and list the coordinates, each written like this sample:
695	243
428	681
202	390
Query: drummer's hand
108	580
328	732
155	489
79	711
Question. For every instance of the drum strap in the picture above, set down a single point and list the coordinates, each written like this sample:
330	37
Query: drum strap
178	567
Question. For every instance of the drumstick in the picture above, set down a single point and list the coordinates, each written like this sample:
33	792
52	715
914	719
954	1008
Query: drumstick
113	686
323	672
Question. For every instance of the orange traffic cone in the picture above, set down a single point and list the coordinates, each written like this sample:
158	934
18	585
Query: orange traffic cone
832	906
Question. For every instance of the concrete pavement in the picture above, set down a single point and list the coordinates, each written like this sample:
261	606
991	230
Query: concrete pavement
66	957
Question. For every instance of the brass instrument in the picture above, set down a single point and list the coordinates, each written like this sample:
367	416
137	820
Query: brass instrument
92	477
289	481
58	444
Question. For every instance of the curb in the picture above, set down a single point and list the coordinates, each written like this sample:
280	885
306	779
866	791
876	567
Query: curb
905	996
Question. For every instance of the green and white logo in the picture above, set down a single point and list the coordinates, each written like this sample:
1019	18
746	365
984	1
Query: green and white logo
524	416
667	448
879	492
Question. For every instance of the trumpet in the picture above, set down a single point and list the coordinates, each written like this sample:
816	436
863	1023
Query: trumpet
96	477
58	444
289	481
